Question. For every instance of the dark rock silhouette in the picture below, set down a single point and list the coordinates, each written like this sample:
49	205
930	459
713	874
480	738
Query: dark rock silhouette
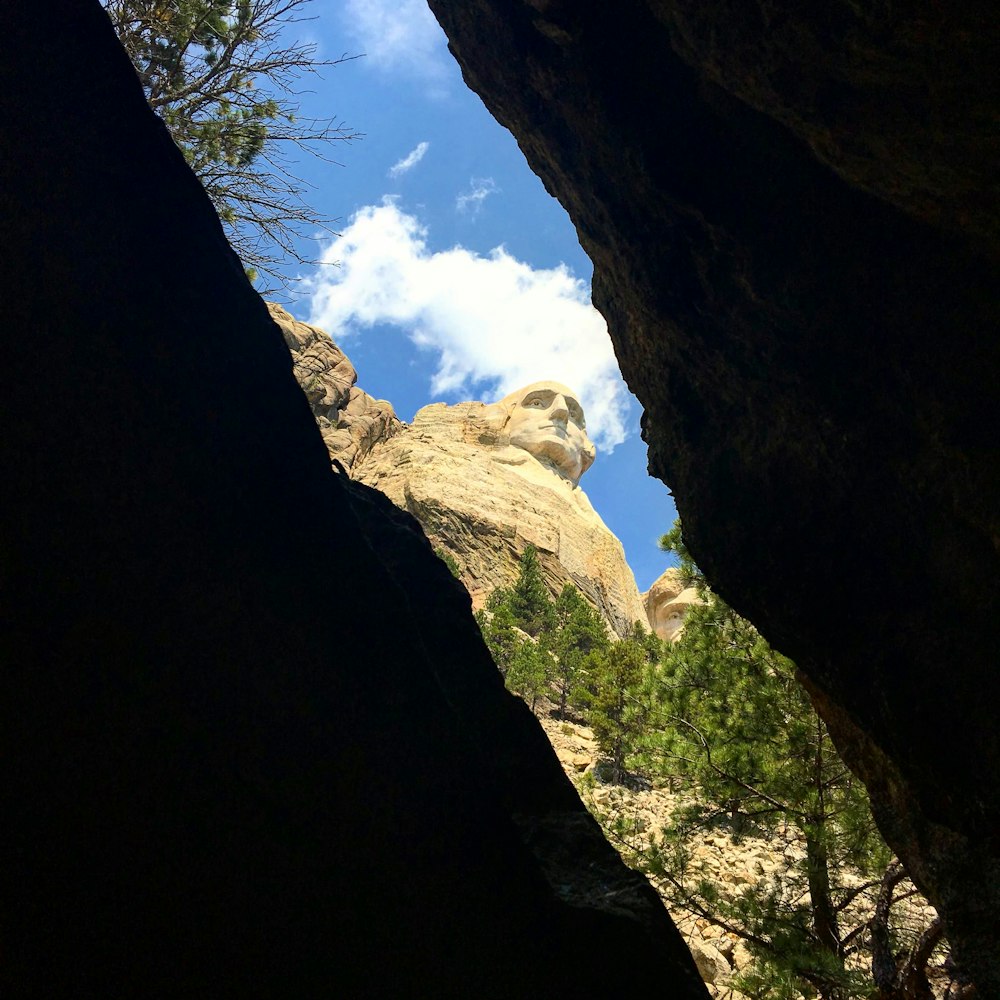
792	213
223	774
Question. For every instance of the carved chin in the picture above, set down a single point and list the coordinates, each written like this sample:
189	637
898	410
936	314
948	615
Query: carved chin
568	461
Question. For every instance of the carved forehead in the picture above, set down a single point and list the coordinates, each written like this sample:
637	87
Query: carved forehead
541	390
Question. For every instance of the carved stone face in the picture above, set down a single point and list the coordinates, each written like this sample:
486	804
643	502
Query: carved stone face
668	621
547	421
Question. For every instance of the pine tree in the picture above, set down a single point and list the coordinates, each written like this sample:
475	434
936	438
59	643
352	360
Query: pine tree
541	646
528	673
739	726
651	643
525	663
618	712
578	632
745	732
500	630
529	598
517	624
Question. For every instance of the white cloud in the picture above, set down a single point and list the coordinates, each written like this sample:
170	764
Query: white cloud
398	36
408	162
495	323
480	188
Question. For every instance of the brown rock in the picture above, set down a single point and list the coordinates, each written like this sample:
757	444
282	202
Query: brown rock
711	962
791	209
741	956
351	421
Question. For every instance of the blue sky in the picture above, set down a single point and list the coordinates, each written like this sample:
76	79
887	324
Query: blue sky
454	275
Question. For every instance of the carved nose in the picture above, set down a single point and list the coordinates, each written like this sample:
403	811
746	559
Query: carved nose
559	411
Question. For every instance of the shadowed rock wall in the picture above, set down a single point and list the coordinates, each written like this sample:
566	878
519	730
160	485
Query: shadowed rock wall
222	773
791	212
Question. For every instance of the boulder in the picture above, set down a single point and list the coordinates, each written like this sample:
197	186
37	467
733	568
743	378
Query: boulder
712	964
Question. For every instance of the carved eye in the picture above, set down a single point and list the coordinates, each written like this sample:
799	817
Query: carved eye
536	402
576	415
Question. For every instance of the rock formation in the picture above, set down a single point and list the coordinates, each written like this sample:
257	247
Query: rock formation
252	742
792	211
211	783
484	481
351	421
667	602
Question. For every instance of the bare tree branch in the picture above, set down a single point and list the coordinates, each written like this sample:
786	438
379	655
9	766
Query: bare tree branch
223	76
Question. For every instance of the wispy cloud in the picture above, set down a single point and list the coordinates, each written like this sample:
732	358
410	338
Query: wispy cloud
495	323
480	188
408	162
398	37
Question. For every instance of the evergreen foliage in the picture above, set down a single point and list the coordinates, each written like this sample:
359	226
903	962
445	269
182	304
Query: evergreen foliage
528	672
561	649
673	541
529	598
723	713
735	722
500	630
651	643
222	75
618	713
518	625
541	646
580	635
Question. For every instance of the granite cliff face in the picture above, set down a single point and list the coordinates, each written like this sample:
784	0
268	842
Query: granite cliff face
792	214
667	602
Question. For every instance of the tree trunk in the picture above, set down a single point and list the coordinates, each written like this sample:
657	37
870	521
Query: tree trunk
824	914
883	961
904	979
818	873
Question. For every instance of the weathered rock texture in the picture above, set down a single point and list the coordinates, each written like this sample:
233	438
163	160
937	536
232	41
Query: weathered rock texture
483	503
351	421
252	742
792	213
